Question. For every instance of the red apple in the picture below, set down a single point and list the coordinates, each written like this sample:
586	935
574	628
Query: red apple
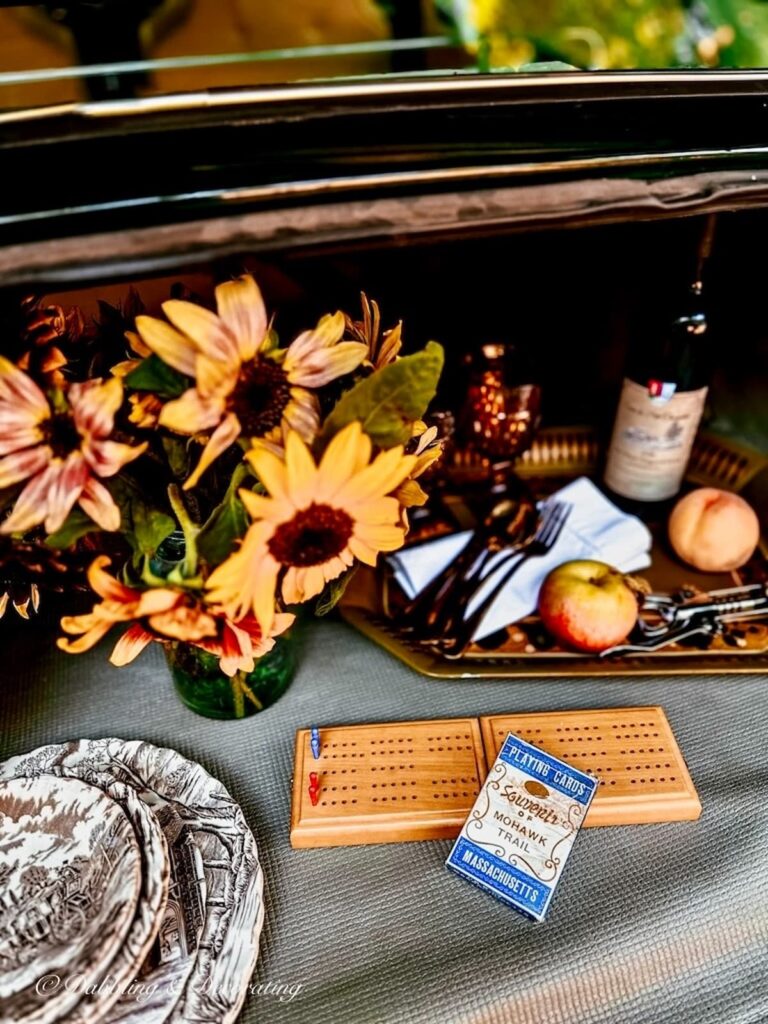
587	605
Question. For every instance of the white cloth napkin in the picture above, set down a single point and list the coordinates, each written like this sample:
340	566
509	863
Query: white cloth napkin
595	529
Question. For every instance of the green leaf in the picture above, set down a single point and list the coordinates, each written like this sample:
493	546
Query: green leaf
177	452
334	591
150	527
154	375
226	524
388	402
144	526
76	525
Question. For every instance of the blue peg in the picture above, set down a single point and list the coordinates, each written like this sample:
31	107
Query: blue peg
314	741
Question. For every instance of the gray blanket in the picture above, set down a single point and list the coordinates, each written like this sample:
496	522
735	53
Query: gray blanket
652	924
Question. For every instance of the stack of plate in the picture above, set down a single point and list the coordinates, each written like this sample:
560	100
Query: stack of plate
130	888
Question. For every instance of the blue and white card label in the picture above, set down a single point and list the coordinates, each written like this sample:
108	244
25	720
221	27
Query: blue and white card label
518	835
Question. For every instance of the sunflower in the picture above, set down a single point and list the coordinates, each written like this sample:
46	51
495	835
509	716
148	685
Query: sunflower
427	448
28	566
165	615
139	351
314	521
382	349
145	406
243	384
45	330
61	452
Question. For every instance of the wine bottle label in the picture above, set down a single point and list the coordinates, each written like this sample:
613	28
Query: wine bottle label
652	440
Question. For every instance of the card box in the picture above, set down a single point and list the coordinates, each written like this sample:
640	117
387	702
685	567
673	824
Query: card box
520	831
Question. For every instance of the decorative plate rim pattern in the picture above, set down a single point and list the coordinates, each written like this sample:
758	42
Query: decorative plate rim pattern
231	932
68	897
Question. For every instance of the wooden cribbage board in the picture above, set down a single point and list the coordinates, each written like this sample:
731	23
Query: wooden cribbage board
632	751
401	781
387	783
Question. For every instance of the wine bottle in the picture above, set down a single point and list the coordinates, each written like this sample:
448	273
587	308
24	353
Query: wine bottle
662	402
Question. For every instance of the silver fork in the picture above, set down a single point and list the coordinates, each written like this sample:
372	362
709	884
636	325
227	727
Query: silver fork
554	517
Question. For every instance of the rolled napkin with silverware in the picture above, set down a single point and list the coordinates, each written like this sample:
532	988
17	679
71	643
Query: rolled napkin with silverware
594	528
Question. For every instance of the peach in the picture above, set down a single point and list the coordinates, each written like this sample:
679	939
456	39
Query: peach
713	530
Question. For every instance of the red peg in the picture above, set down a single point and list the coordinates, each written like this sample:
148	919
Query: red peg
314	788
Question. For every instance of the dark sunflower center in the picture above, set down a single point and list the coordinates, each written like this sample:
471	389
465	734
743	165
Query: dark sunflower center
314	535
260	396
61	434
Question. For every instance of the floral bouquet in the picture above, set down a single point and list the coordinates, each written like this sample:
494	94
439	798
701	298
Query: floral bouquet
268	472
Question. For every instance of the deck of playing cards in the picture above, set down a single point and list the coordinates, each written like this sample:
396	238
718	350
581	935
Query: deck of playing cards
520	831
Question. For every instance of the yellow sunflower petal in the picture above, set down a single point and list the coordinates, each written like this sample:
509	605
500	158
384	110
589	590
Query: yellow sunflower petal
246	582
157	600
191	413
390	346
385	473
283	621
241	307
208	333
94	405
77	624
136	345
125	367
426	459
96	501
145	410
21	392
234	650
347	453
172	347
107	586
293	589
335	567
378	511
300	469
259	506
223	436
130	645
64	488
321	366
302	414
17	417
317	576
301	584
262	591
271	443
367	555
215	377
24	464
410	494
329	331
108	457
32	504
272	473
86	641
381	536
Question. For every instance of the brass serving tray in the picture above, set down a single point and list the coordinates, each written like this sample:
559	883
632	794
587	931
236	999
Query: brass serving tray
557	455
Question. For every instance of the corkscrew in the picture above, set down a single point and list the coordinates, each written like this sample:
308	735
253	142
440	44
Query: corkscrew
686	614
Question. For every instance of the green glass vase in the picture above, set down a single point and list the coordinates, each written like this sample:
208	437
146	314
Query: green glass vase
204	688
